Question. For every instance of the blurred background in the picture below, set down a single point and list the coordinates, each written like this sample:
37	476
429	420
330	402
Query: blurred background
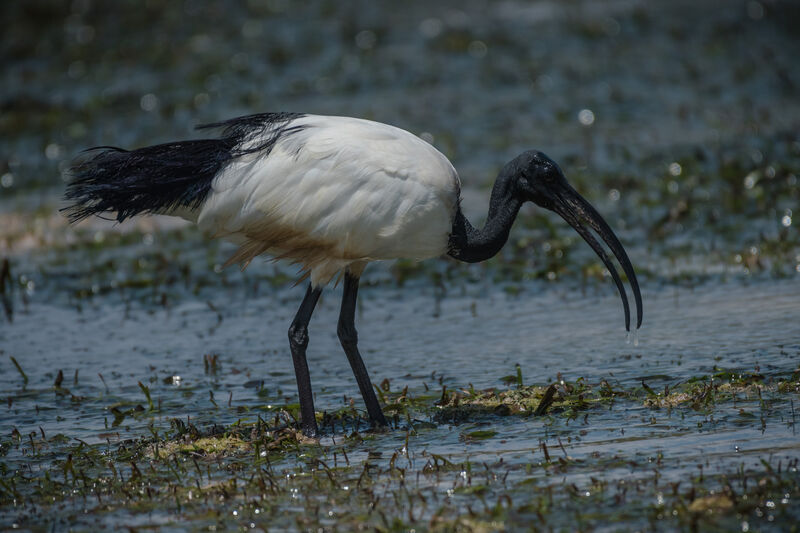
681	118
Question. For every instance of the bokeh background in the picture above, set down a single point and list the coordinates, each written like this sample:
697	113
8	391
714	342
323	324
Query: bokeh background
681	116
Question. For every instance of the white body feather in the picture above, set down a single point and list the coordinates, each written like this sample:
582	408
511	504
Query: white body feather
336	194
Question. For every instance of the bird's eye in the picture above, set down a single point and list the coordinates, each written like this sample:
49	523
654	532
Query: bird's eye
542	172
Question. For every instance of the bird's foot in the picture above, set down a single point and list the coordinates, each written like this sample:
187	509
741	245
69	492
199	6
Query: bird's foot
378	422
310	430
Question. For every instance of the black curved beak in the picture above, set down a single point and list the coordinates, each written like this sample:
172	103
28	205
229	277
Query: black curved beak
582	217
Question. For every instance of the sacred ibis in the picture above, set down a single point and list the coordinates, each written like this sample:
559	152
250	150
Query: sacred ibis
330	194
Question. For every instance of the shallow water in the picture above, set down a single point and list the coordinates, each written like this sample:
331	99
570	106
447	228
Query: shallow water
421	340
678	120
408	336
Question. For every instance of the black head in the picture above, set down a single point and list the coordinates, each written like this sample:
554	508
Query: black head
538	179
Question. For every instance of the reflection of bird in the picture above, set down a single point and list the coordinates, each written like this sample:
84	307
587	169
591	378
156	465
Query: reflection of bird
331	194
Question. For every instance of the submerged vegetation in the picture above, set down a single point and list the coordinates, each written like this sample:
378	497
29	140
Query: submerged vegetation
262	472
569	399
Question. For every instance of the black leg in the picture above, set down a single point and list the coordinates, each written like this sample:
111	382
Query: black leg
298	342
349	339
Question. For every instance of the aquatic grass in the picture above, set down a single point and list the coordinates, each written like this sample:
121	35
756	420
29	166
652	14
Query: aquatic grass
722	386
268	472
19	369
569	399
563	397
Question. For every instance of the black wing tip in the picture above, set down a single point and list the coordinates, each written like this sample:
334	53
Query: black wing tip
104	149
77	212
237	124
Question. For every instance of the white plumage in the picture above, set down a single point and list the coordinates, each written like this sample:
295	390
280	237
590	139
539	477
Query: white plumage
335	194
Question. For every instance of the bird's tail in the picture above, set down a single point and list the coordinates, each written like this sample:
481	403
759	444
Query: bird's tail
161	178
153	179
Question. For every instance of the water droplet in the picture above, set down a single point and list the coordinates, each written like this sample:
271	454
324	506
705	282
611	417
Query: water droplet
84	35
675	169
252	29
76	69
366	39
755	10
610	26
201	100
613	195
786	221
586	117
431	27
477	49
750	181
148	102
52	151
7	180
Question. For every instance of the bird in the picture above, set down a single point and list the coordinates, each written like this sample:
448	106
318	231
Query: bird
330	194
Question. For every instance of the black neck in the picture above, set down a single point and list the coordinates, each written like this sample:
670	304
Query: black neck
471	245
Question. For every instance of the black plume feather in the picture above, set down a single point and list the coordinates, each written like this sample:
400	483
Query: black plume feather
155	179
